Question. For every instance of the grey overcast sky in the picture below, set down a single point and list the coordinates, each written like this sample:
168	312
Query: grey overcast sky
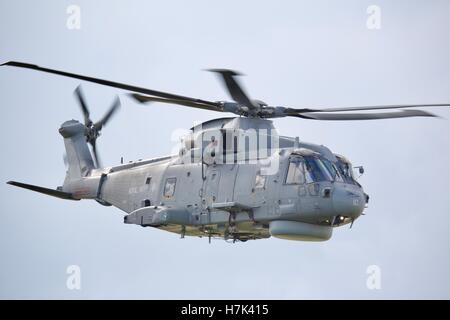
295	53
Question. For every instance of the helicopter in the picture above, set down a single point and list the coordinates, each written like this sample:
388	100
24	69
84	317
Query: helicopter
234	178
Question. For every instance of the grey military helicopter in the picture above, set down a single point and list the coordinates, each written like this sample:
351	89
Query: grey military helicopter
234	178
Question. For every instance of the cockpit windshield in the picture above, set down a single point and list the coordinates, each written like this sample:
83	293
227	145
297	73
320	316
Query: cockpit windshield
307	169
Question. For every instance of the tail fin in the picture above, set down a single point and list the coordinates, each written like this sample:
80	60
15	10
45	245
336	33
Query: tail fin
80	165
79	157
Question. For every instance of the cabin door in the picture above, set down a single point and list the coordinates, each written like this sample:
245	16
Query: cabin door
227	182
210	191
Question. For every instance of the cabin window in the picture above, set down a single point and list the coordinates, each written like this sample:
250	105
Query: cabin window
260	181
146	203
148	180
295	173
169	187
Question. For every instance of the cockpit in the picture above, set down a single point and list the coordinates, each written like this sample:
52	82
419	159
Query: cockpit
331	193
308	168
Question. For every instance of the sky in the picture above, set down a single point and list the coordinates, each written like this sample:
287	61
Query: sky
293	53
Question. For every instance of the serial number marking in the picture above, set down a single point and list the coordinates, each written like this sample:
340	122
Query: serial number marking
247	309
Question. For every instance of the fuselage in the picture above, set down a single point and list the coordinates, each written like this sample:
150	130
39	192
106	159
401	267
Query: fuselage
294	190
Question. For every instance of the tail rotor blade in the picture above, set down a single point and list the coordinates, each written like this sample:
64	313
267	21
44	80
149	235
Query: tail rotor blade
92	131
79	94
115	106
94	151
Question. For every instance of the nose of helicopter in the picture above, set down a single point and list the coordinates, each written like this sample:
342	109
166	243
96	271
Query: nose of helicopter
348	201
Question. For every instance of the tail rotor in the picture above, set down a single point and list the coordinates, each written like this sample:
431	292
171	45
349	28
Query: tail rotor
93	130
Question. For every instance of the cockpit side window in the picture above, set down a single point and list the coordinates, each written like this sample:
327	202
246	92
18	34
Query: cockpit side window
296	173
316	170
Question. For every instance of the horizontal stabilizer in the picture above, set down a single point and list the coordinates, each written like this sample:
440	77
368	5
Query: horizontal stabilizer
49	192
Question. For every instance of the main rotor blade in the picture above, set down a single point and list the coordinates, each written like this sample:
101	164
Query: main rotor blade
104	82
214	106
367	108
79	94
363	116
115	106
234	88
